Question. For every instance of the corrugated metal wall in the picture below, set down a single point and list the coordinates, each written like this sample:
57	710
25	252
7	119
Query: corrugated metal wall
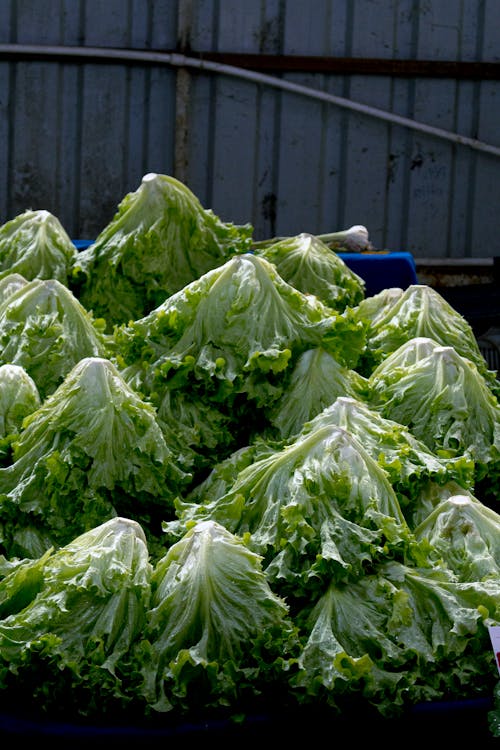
76	135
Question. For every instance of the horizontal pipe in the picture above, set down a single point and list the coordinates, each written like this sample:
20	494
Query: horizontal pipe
455	69
112	54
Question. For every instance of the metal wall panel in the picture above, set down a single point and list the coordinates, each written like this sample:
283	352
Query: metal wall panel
75	137
318	167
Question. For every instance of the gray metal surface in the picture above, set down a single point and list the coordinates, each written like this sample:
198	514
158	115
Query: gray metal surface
76	136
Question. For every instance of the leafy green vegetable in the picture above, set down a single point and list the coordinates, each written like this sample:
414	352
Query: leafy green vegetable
400	635
223	474
444	401
465	534
196	430
408	461
319	508
19	397
45	330
422	312
70	618
92	450
430	495
10	284
226	343
159	240
246	485
305	262
377	306
215	631
316	381
35	245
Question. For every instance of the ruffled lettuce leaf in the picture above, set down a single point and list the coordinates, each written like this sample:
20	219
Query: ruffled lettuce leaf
92	450
308	264
408	461
397	637
45	330
316	381
232	325
69	619
224	473
35	245
463	533
215	632
377	306
160	239
19	397
422	312
444	401
228	341
320	507
430	495
10	284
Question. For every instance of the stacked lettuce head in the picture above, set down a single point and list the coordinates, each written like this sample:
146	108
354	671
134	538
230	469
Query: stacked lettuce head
45	330
69	618
316	381
319	508
160	239
216	634
445	401
409	463
91	451
19	397
35	245
308	264
420	311
398	636
464	533
225	346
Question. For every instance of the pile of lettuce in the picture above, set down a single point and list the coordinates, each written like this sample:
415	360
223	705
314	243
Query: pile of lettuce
231	482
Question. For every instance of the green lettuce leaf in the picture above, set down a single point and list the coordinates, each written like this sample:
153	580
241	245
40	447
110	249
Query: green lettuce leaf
224	346
377	306
347	651
319	508
408	461
308	264
430	495
92	450
215	631
446	403
19	397
159	240
10	284
465	534
64	645
422	312
35	245
224	473
399	636
442	398
316	381
233	330
45	330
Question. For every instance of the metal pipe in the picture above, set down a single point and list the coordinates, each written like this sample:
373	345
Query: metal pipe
108	54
